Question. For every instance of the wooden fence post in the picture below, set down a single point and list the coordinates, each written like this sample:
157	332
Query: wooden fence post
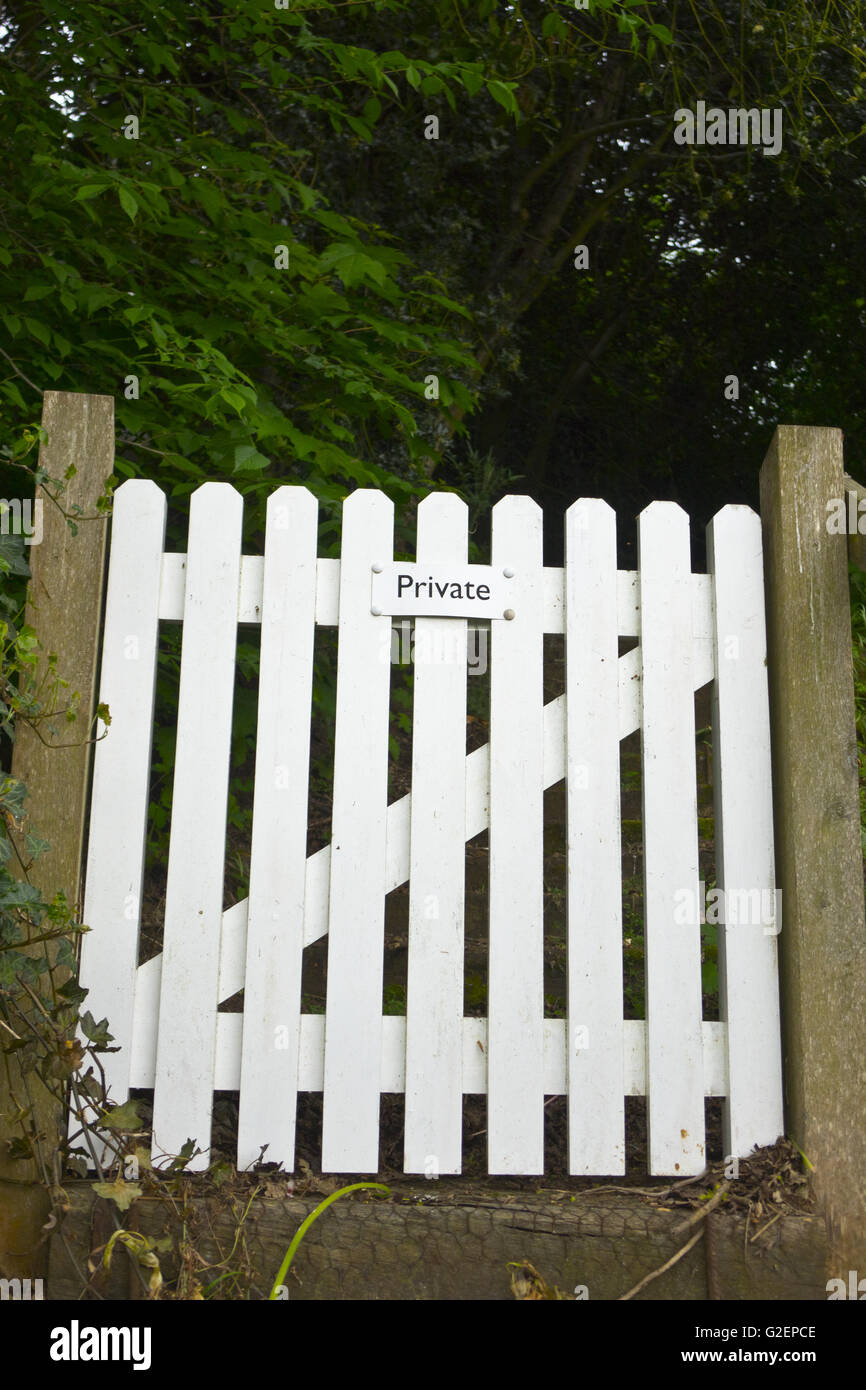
64	605
817	827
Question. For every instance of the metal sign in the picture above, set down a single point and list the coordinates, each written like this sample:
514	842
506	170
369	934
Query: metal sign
447	591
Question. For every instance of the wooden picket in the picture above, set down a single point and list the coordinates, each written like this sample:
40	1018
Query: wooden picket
515	988
434	992
748	965
675	1091
353	1030
121	769
691	629
186	1042
596	1130
275	918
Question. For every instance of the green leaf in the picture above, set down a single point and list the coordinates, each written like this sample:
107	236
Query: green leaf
249	460
72	992
233	398
360	127
661	32
127	202
209	198
123	1118
38	330
504	95
553	27
473	81
372	110
90	190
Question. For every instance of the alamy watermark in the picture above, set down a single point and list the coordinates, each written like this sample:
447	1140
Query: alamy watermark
77	1343
405	646
21	1290
855	1288
846	521
736	126
21	518
735	907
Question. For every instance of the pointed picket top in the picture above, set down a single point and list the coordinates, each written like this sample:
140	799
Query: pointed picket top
586	512
517	504
144	491
596	505
732	510
657	514
367	497
442	513
443	502
294	496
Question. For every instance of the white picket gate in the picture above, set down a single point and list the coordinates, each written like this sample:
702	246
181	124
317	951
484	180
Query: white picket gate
692	629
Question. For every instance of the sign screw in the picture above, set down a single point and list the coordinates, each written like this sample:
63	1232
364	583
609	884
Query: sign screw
509	574
377	569
377	612
509	614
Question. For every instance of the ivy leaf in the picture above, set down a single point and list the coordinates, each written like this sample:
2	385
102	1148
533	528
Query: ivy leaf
95	1032
123	1118
122	1193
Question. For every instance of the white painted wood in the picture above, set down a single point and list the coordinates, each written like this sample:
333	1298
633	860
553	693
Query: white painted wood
675	1109
312	1056
628	610
596	1111
328	593
183	1098
515	1106
353	1028
434	1010
275	922
121	771
520	1057
233	945
232	955
173	584
742	787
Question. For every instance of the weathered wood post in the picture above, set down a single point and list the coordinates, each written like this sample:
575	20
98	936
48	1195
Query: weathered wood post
64	605
817	827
